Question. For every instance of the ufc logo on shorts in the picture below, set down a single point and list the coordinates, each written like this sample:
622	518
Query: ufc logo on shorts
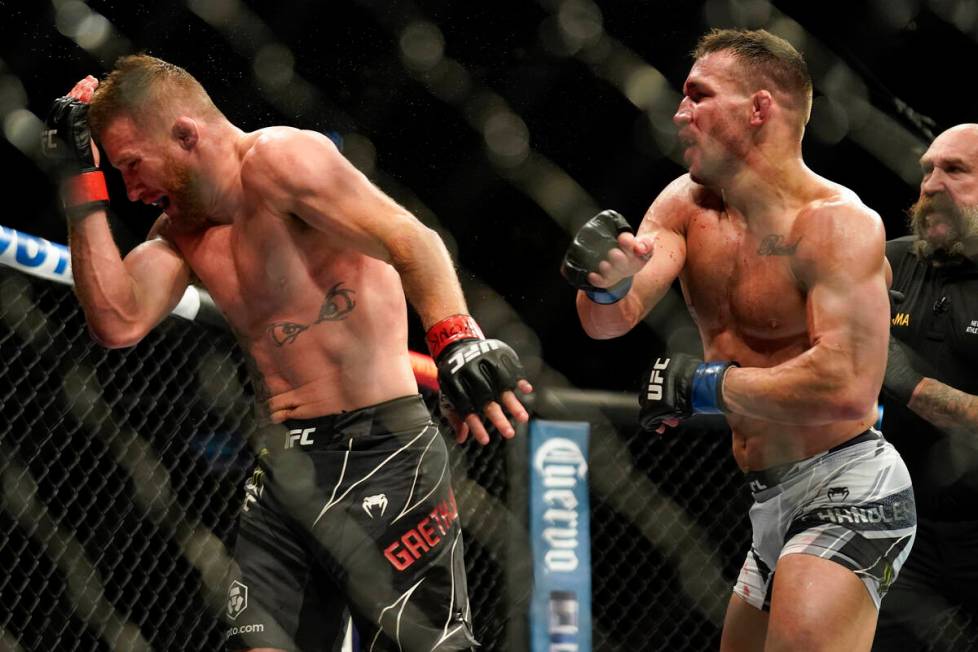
656	379
301	436
471	351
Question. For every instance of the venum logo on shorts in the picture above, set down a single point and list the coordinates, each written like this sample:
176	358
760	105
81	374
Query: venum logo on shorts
423	537
254	488
371	505
237	599
838	494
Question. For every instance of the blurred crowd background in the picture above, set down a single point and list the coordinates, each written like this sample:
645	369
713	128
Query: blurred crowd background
506	124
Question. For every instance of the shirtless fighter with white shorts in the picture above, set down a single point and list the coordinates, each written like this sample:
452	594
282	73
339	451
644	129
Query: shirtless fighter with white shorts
785	275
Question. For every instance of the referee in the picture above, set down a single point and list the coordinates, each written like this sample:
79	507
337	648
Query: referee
930	399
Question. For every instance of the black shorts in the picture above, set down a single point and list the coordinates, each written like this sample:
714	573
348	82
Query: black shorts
351	514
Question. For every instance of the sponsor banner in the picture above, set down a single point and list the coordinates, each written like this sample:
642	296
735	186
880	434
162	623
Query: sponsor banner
560	611
34	255
39	257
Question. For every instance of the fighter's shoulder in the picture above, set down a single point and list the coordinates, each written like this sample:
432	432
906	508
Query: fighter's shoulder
281	151
840	216
680	201
837	234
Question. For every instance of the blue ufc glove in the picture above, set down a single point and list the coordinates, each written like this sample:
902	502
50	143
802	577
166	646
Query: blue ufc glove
680	386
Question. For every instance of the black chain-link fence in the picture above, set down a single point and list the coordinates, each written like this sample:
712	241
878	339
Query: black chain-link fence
122	475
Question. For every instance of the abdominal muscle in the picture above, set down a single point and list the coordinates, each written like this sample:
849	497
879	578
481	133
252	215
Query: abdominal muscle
335	366
324	331
338	388
758	443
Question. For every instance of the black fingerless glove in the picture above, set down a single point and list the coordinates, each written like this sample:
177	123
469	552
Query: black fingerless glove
67	140
680	386
472	371
590	246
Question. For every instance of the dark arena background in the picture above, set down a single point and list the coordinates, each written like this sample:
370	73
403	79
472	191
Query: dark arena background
503	125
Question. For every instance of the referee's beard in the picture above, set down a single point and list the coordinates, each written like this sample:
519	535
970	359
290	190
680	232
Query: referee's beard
945	231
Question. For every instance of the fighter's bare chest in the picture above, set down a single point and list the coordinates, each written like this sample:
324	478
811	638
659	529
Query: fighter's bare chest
251	269
740	280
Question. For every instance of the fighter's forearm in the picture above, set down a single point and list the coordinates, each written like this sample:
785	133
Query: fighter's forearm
102	282
603	322
427	274
947	408
807	390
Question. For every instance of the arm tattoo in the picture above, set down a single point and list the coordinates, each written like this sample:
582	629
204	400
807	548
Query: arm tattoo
774	245
947	408
337	305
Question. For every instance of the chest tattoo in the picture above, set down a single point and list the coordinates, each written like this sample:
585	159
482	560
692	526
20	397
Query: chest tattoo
774	245
338	303
285	332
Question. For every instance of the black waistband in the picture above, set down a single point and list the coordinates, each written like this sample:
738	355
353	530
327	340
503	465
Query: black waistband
771	476
383	418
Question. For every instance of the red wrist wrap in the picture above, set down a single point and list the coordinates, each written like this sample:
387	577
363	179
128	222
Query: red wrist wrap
85	188
452	329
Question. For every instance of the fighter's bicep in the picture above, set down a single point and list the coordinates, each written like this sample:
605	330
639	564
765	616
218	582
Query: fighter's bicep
160	275
848	312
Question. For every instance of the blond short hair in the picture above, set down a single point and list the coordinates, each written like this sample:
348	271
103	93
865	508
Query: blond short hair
145	89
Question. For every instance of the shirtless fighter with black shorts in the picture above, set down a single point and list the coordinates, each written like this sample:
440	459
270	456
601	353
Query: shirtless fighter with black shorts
351	507
784	273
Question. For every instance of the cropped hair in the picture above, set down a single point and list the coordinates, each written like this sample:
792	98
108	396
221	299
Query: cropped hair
768	61
145	88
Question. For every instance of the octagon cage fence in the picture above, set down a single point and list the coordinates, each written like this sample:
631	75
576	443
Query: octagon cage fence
122	475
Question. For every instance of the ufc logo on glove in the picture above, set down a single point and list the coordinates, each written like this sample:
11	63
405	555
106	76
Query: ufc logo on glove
469	352
655	379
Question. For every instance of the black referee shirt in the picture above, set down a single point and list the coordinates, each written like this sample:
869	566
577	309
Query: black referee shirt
938	319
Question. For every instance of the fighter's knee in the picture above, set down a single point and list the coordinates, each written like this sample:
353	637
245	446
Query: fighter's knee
794	636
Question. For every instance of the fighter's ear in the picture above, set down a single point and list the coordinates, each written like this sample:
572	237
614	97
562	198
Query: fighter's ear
761	106
185	132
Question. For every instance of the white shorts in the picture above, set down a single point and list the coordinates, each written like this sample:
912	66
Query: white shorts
852	504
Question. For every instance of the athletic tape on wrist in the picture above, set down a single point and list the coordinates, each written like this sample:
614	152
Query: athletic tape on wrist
450	330
85	189
614	294
707	394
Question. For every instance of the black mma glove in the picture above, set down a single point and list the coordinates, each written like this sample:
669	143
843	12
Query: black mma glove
591	245
904	371
67	140
680	386
472	371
